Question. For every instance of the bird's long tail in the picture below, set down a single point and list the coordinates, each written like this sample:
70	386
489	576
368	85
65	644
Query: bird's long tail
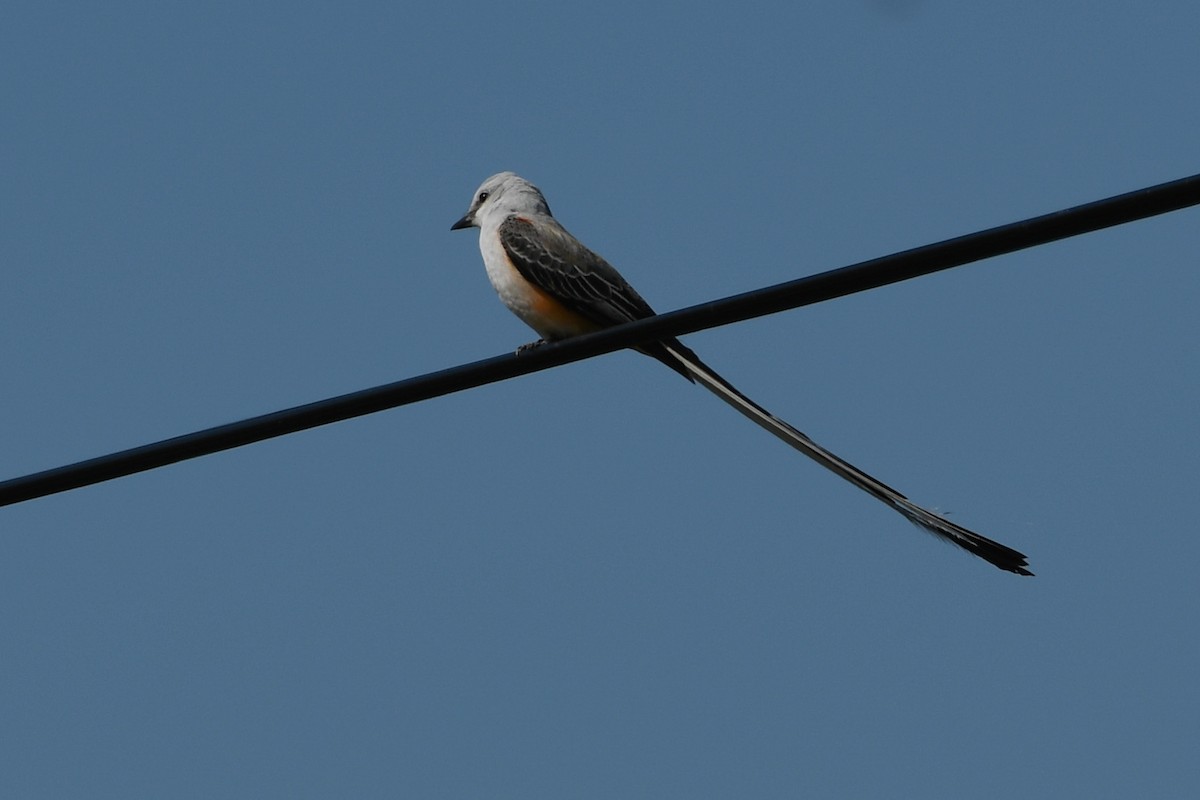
1001	556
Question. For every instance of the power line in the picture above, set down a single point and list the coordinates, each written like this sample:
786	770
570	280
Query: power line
1129	207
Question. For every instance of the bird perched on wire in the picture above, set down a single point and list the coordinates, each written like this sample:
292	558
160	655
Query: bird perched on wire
561	289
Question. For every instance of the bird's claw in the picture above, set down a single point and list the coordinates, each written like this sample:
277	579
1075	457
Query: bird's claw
525	348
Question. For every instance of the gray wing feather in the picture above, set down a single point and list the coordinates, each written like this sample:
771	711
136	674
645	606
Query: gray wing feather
554	261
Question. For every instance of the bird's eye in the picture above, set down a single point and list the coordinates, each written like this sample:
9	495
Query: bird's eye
483	196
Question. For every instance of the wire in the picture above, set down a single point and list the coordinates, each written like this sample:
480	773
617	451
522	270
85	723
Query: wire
1117	210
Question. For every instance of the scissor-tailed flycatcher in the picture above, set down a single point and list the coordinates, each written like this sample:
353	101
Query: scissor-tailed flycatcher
562	289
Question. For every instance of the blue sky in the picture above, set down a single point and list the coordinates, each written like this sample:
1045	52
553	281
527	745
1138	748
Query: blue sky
596	581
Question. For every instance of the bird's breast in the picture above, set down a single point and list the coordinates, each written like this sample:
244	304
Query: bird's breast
536	307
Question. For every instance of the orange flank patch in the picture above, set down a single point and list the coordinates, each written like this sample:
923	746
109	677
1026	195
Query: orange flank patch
556	318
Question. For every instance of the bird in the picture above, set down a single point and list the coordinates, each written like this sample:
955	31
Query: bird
560	288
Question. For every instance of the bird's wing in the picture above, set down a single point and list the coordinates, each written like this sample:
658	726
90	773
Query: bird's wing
556	262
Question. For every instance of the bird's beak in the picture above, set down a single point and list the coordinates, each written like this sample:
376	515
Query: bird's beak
466	222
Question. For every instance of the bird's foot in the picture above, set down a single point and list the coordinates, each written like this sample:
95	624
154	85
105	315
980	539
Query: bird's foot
525	348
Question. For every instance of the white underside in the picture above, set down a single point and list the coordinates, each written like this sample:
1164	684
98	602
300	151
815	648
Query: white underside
514	290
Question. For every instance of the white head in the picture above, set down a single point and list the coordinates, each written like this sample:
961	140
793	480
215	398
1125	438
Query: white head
501	195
